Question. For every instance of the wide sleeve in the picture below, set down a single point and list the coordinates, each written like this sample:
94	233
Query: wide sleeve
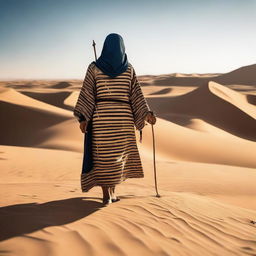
86	100
139	104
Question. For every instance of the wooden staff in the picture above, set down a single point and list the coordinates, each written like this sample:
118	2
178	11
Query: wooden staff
154	159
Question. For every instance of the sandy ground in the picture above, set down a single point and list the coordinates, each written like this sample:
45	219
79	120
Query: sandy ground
206	165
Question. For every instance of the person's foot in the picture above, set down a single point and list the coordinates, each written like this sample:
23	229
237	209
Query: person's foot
106	195
114	198
106	201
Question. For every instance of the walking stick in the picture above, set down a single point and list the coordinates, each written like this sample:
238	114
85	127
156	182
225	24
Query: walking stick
154	159
87	161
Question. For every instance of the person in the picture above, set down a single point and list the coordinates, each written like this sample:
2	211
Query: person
109	105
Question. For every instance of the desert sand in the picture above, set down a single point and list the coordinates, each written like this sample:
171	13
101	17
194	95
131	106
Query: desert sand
206	168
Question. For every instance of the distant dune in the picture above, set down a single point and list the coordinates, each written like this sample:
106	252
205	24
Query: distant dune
162	91
25	119
61	85
54	98
244	76
213	103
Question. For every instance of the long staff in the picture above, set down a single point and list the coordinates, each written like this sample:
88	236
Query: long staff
154	159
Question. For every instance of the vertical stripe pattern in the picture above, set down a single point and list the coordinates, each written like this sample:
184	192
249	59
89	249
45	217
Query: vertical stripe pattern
114	148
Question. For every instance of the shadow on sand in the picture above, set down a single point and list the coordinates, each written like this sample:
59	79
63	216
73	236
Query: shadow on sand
19	219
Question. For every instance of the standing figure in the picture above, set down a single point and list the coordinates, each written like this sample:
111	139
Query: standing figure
109	105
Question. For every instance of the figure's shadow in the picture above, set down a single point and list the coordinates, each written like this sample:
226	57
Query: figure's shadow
20	219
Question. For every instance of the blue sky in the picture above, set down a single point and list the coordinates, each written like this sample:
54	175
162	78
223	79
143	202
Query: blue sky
53	38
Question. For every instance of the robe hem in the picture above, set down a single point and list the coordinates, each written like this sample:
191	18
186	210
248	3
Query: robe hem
95	183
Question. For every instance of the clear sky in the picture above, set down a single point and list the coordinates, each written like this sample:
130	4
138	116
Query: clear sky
53	38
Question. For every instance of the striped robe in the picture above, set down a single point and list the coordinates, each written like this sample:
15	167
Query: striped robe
114	149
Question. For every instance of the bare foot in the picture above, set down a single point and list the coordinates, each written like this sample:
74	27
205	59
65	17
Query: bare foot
114	198
106	195
112	192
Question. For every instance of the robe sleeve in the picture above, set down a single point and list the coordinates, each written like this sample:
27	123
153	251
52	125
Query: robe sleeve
139	104
85	104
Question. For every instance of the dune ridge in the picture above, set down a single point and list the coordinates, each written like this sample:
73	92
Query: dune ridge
213	103
242	76
54	98
25	119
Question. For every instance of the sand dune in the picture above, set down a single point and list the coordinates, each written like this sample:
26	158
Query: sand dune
244	75
165	91
42	84
181	143
14	97
26	119
61	85
54	98
182	80
71	99
162	91
206	165
251	99
57	137
213	103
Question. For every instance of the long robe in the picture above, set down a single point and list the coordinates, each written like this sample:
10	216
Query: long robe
113	148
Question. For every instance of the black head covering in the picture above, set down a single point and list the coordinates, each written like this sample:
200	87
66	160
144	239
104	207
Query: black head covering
113	59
